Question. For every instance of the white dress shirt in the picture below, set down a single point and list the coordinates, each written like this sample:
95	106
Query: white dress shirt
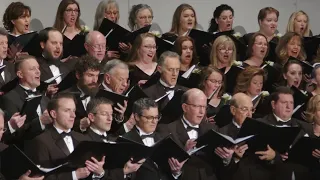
55	72
84	101
170	96
2	73
149	141
99	133
193	134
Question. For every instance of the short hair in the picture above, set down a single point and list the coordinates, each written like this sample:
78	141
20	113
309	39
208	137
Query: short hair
134	12
294	15
143	104
175	26
99	16
53	103
245	77
205	73
280	90
3	32
44	34
216	14
178	48
233	102
265	11
114	63
137	44
59	21
86	63
281	49
312	107
13	12
221	40
166	54
20	60
95	102
252	40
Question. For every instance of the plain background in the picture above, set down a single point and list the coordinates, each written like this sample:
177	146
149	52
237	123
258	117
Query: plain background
246	11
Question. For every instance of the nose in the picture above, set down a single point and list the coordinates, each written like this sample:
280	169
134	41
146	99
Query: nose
73	114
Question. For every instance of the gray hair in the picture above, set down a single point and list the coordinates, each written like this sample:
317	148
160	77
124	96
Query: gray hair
112	64
3	32
143	104
133	14
165	55
99	16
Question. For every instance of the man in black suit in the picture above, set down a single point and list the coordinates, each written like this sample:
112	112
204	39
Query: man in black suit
95	45
6	73
254	166
51	42
282	104
51	147
203	165
147	116
27	70
87	72
100	115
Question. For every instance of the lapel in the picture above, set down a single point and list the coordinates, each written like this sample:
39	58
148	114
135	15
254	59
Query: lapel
58	140
94	136
182	132
7	73
45	70
80	111
20	91
75	139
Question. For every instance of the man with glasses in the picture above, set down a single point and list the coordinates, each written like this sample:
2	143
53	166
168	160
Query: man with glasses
147	116
202	165
96	45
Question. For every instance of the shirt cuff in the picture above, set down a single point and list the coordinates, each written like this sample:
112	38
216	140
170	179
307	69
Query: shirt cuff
226	161
10	128
177	175
74	176
96	176
126	129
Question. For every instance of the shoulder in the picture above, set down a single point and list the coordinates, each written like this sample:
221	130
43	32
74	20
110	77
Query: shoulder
80	137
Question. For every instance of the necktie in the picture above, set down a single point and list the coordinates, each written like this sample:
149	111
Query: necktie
30	92
64	134
84	97
190	128
147	136
104	138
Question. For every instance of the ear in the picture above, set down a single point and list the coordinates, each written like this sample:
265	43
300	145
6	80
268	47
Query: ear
284	76
273	104
42	44
53	114
314	81
136	117
259	22
107	78
233	110
216	19
86	46
12	21
77	75
159	69
91	117
184	107
19	74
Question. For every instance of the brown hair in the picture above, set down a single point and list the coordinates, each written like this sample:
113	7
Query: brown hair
175	26
251	43
265	11
178	48
312	107
14	11
59	21
281	49
134	55
205	73
245	77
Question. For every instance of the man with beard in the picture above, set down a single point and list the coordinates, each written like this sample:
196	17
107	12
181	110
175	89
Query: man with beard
51	41
87	72
95	44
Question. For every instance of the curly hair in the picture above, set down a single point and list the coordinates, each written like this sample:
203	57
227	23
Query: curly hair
134	12
14	11
245	77
216	14
86	63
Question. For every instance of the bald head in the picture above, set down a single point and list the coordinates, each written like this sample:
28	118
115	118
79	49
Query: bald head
193	95
241	107
95	44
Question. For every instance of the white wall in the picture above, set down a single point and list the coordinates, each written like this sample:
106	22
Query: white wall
245	11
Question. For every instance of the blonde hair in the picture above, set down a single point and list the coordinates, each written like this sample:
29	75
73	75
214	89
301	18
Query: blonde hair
221	40
99	16
290	26
134	55
312	107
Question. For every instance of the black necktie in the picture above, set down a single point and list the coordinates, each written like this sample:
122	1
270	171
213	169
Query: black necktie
103	137
147	136
190	128
64	134
30	92
84	97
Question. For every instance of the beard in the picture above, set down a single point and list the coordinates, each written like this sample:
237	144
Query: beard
50	59
91	91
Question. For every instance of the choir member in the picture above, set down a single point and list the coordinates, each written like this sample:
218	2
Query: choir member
190	126
169	67
292	74
58	141
140	15
7	74
212	79
299	23
291	44
142	59
100	115
222	19
282	104
223	53
28	72
96	45
186	49
316	79
147	116
87	72
257	50
106	9
184	19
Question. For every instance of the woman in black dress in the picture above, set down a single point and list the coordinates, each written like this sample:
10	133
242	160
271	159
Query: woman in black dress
222	19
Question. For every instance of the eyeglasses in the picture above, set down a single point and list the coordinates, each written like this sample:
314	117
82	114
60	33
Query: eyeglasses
261	44
99	47
213	81
145	17
245	109
3	130
197	106
151	47
226	50
112	13
3	43
69	11
152	118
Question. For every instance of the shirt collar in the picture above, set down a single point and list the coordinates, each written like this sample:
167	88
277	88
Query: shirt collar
106	87
165	84
236	124
186	123
98	132
82	93
279	119
26	88
1	62
141	132
60	130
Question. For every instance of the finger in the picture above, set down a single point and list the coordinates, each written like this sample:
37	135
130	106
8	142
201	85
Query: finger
262	157
260	153
94	160
27	173
103	159
91	165
120	106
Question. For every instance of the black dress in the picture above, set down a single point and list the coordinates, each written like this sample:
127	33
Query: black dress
136	74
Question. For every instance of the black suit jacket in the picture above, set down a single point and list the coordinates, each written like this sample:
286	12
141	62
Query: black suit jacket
9	73
149	170
46	72
2	147
11	103
204	165
49	150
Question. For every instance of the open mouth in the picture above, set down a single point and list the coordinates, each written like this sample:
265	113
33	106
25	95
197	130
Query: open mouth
150	55
296	83
56	53
226	56
188	56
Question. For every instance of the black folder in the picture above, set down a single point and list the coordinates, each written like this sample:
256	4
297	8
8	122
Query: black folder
231	78
44	84
28	42
30	106
153	80
190	78
10	85
134	94
75	46
172	110
68	81
114	97
311	45
223	117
